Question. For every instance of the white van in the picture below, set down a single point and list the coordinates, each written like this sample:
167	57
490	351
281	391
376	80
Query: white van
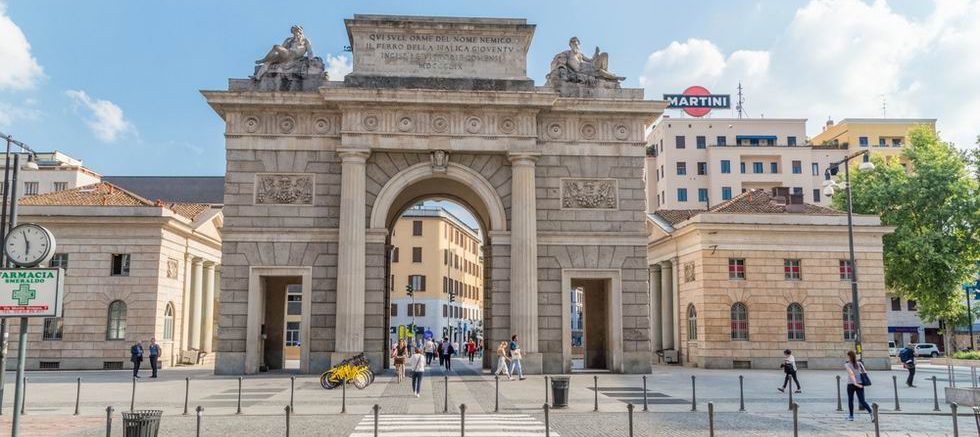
892	350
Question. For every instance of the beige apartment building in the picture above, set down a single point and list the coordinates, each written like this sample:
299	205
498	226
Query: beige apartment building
55	172
884	136
438	254
735	285
696	163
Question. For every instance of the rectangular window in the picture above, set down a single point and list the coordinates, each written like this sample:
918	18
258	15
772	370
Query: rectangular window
702	168
417	310
53	327
445	284
797	190
721	141
816	195
120	264
445	310
896	142
417	228
702	194
757	167
416	254
680	141
790	141
394	255
30	188
726	193
773	167
682	194
702	142
417	282
797	167
294	304
846	272
881	142
59	260
815	169
736	268
741	167
292	333
863	141
60	186
681	168
912	305
726	166
394	309
896	304
792	270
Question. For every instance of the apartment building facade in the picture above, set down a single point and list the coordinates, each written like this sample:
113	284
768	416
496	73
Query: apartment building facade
55	171
438	254
694	163
884	136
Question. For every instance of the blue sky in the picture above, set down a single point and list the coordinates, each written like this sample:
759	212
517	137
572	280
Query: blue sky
115	83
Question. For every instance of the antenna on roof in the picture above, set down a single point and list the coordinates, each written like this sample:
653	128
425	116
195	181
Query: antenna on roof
884	107
739	104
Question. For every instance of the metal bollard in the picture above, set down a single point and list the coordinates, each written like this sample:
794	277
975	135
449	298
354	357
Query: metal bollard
108	421
629	408
445	384
973	375
935	395
343	399
741	394
895	386
132	399
292	386
200	414
711	419
976	416
694	395
547	422
956	426
546	389
187	393
839	406
645	408
796	420
288	411
874	417
595	389
239	411
462	420
376	409
496	393
78	395
791	397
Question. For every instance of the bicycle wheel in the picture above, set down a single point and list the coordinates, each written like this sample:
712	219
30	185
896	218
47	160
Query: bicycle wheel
361	380
326	383
370	376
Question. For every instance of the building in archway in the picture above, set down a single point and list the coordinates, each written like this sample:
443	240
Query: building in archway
318	172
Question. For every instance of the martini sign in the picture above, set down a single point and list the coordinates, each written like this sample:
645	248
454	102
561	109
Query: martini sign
697	101
31	293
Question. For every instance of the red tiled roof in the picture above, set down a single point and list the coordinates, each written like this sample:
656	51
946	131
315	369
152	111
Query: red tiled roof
106	194
749	202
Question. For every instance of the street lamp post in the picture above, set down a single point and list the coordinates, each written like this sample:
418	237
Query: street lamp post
830	185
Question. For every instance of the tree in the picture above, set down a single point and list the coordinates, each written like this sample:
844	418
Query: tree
935	208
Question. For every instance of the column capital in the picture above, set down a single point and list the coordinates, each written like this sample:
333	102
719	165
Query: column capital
210	264
523	158
197	261
665	264
357	156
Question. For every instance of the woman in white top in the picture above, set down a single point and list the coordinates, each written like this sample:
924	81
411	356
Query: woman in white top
417	365
789	368
502	360
855	385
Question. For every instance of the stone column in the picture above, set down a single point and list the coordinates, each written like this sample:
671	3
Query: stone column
207	322
656	315
185	306
524	252
675	303
666	306
351	254
197	298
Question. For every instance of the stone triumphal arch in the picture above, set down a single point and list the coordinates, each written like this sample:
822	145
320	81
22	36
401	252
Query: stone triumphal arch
318	170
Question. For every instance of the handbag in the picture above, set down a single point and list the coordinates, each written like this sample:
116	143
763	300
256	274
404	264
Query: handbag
865	379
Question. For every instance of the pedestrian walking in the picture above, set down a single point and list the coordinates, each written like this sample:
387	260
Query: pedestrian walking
502	360
857	379
907	357
515	358
789	368
471	349
154	357
400	356
136	356
446	351
417	365
430	351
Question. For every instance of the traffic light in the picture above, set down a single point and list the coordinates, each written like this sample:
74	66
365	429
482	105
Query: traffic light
409	289
452	297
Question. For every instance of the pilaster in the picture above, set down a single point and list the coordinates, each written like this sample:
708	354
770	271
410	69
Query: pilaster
351	253
197	298
524	254
207	323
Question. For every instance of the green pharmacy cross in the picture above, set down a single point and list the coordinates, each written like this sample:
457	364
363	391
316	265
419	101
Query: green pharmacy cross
24	294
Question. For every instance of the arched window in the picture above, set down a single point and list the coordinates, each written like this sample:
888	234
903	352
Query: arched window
692	322
168	322
848	316
740	322
116	325
794	322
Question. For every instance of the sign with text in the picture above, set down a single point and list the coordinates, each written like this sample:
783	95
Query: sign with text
697	101
31	292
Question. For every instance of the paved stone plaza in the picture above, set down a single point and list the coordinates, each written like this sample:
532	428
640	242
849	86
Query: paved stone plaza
51	396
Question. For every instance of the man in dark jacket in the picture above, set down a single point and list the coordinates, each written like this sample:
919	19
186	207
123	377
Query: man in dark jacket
907	357
154	356
136	356
446	350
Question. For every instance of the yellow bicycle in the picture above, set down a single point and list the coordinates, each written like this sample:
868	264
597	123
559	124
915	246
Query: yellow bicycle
355	370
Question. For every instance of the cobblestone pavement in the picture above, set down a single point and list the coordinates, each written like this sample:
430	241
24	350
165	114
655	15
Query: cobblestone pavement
51	396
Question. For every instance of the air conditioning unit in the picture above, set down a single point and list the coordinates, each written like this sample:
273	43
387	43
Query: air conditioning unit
670	356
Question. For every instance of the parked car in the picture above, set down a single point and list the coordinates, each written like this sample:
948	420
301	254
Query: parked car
892	350
926	350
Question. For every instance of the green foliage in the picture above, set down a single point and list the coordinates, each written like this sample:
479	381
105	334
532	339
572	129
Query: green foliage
971	355
935	208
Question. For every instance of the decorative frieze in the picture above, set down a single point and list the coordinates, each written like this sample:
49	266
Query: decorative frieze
284	124
588	193
284	189
587	129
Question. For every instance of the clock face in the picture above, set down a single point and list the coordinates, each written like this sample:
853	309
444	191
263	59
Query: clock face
28	245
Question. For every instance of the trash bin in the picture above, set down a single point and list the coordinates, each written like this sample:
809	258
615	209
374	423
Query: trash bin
141	423
559	391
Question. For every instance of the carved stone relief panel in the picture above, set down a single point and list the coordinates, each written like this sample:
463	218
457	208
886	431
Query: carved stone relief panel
427	121
172	268
284	189
588	193
285	123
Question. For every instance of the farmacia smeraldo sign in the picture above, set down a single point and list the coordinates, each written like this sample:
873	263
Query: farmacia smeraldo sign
30	293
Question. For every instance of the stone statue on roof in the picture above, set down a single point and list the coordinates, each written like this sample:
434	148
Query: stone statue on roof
573	66
291	61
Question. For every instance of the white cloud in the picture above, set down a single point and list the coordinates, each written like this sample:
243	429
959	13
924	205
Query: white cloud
338	66
18	68
104	118
839	58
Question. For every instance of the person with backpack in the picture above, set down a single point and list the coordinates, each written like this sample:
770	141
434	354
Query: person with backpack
136	356
907	357
789	368
857	380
